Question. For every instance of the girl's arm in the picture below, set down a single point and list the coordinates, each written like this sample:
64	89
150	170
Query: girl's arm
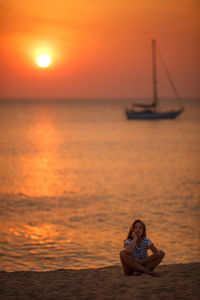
129	248
153	249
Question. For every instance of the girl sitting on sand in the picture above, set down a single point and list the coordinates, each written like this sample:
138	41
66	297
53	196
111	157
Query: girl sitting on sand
134	258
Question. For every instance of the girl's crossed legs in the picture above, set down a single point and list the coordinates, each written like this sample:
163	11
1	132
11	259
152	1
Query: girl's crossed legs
131	266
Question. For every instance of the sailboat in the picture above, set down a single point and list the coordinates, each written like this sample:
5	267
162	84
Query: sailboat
150	111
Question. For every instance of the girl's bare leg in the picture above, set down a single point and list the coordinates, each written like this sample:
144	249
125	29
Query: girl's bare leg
155	260
127	270
128	261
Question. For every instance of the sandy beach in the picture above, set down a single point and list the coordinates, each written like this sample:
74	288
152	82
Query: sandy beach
177	281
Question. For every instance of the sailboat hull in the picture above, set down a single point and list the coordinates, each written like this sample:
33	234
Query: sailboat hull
149	115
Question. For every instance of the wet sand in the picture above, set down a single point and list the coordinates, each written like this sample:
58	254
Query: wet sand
176	281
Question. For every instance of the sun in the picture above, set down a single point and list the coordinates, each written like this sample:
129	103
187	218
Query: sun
44	60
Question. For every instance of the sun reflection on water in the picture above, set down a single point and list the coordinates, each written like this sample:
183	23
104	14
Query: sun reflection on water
44	234
43	170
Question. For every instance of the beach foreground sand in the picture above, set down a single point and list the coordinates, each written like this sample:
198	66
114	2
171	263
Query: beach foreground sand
180	281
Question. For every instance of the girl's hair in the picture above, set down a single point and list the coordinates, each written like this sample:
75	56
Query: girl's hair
131	230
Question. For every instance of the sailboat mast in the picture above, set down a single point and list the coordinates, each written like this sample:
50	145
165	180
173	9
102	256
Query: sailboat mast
155	94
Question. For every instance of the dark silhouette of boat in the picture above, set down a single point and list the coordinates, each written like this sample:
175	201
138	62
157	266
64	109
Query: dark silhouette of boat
150	111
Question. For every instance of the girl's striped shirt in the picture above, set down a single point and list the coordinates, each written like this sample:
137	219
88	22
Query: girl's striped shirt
142	251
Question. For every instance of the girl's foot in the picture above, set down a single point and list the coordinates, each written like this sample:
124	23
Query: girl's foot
137	273
153	273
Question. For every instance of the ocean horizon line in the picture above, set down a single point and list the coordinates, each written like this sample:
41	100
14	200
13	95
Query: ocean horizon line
93	98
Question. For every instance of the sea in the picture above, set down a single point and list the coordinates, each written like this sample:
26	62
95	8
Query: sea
75	174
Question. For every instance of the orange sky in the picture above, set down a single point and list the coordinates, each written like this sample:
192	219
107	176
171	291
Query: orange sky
98	48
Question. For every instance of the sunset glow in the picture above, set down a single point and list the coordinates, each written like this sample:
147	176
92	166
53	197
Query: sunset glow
98	49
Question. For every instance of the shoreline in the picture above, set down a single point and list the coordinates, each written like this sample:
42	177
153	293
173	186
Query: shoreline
176	281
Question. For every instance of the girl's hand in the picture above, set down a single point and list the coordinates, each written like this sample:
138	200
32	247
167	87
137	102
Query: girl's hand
134	236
